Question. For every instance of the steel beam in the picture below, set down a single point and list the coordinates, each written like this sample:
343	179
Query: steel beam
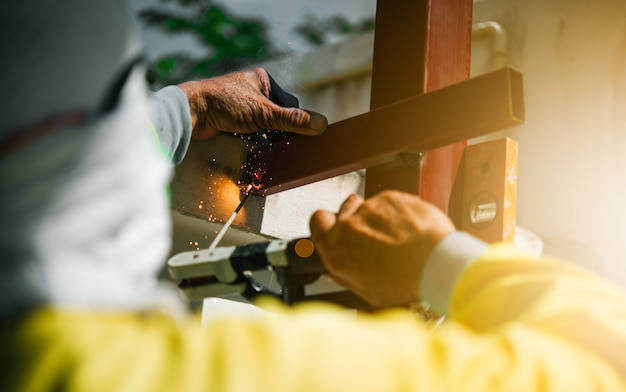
394	132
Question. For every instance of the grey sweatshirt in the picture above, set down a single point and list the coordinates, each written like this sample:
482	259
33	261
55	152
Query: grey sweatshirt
83	208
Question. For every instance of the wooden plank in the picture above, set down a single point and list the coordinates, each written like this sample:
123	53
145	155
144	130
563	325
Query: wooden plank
435	52
469	109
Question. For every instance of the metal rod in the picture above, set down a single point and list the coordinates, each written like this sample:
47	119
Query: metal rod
230	220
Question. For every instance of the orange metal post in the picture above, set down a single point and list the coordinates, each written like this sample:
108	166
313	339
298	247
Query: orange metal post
489	190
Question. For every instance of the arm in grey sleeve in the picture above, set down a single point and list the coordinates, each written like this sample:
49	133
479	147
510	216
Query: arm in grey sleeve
171	118
444	266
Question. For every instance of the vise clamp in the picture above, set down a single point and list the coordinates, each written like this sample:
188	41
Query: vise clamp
228	270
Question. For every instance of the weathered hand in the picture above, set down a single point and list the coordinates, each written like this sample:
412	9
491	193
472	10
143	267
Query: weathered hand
377	247
239	102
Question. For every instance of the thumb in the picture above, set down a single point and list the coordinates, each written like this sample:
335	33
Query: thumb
289	117
304	122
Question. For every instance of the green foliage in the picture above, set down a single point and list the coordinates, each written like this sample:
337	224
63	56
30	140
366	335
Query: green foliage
231	42
165	68
317	31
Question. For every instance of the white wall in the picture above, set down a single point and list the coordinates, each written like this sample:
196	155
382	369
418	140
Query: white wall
572	149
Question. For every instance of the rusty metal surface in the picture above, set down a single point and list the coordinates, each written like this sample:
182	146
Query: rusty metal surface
465	110
448	62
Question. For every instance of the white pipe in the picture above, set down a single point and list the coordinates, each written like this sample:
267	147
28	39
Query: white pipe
500	43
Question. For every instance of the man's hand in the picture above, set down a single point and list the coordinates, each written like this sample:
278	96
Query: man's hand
239	102
377	247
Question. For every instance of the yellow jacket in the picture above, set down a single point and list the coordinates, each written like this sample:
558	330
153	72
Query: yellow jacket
514	324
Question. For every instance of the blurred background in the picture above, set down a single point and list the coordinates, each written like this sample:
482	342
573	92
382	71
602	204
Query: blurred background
200	38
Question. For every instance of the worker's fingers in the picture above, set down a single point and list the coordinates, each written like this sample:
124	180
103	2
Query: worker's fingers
286	115
350	206
246	102
321	222
304	122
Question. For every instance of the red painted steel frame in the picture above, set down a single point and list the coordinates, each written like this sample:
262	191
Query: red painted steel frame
420	46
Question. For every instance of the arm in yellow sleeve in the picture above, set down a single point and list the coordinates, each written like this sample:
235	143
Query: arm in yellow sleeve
508	329
494	288
505	287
